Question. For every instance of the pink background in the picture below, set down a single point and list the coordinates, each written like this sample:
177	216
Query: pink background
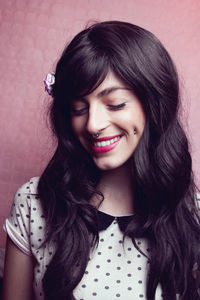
32	36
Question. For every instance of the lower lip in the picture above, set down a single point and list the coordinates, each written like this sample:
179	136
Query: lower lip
105	148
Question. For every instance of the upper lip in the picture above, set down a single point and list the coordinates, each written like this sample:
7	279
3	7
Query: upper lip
105	138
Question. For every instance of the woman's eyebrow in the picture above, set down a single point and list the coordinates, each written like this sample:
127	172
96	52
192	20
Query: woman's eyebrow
110	90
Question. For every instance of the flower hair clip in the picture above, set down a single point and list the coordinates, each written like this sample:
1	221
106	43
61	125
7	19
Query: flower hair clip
49	82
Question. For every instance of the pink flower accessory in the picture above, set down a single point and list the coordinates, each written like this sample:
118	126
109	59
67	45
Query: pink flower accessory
49	82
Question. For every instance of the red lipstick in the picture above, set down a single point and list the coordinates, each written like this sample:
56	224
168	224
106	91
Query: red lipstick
105	148
105	138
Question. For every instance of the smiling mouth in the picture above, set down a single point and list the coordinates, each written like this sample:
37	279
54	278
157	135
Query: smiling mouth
107	142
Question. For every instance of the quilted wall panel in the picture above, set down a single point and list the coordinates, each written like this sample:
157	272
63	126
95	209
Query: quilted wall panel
32	36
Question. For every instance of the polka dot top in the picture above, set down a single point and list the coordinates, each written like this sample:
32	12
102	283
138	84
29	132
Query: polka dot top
115	270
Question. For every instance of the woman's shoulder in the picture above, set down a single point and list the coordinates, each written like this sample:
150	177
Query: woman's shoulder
27	192
26	216
26	199
30	186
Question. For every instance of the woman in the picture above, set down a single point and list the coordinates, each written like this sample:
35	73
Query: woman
114	214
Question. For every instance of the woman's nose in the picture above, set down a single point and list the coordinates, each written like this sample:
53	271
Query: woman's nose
97	119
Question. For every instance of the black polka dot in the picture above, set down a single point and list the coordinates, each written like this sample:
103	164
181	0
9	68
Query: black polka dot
50	253
94	294
129	275
32	221
118	281
139	281
120	241
86	272
107	274
138	255
119	254
129	288
139	243
40	227
97	266
109	247
16	225
106	287
22	205
141	296
118	295
19	195
34	208
129	249
27	216
118	268
41	258
99	253
18	215
139	268
108	260
128	262
101	240
31	233
96	279
112	234
39	240
83	286
28	197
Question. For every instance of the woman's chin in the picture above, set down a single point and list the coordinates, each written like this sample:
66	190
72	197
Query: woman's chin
107	165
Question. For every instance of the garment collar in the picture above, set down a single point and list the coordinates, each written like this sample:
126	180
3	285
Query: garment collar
104	220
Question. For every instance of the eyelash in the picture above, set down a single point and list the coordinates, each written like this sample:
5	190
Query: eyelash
117	107
78	112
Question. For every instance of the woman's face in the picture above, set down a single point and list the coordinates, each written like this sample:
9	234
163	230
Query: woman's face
114	112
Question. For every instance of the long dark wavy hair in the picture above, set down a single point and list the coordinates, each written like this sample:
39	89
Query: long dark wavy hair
165	202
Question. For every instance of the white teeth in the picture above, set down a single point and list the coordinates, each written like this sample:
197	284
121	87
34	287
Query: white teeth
106	143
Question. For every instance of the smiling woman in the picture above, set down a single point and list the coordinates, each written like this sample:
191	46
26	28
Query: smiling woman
115	113
114	214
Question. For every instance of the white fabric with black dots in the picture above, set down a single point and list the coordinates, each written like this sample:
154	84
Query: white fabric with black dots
114	271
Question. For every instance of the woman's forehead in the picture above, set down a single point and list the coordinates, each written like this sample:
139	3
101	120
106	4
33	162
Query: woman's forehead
109	84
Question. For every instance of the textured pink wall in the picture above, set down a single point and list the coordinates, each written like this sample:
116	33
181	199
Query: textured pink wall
32	35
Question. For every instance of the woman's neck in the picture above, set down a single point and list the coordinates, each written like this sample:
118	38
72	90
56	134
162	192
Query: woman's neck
116	186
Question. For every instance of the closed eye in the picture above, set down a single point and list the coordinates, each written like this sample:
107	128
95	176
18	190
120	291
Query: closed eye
117	107
78	112
78	107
